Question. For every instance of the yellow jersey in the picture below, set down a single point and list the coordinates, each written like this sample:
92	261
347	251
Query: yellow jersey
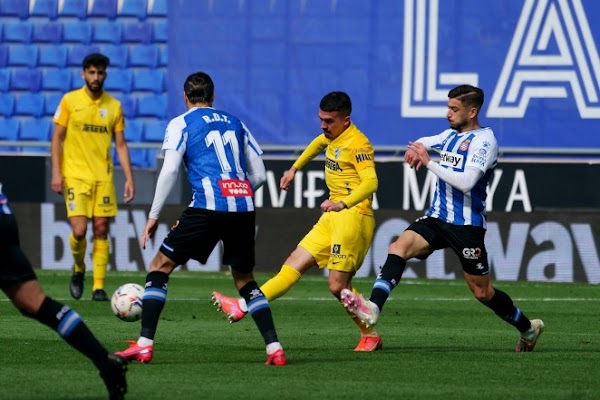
345	157
90	130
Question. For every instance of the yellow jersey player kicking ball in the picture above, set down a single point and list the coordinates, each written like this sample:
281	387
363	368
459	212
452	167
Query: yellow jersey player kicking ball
342	236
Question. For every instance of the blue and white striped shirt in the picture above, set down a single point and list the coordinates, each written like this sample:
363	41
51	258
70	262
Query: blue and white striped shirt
472	149
214	145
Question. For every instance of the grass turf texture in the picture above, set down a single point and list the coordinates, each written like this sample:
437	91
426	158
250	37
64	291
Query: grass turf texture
438	342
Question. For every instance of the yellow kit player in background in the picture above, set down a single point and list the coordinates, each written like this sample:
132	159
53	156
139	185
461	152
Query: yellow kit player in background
86	122
341	238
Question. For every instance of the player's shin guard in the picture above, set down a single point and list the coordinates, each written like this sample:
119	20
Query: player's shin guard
100	261
277	286
153	302
503	306
78	250
259	309
68	324
388	278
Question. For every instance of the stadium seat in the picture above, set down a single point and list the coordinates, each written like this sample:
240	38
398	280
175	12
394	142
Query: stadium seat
108	31
143	56
3	56
76	79
77	32
158	8
52	100
74	8
53	56
7	104
151	155
50	32
134	130
14	8
4	80
152	106
9	128
104	8
137	157
56	79
160	32
22	55
119	79
17	31
117	54
78	52
134	8
163	58
137	32
44	8
127	104
154	131
149	80
39	129
26	79
30	104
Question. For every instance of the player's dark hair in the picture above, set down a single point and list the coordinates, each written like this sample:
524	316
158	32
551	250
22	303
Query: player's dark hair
470	96
199	88
336	101
95	60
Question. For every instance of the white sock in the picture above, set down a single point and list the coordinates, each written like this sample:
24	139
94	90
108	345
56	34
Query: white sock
273	347
528	334
243	305
144	341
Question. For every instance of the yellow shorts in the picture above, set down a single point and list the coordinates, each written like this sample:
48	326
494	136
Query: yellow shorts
90	198
340	240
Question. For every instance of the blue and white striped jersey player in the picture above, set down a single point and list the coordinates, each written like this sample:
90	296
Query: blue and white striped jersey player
456	218
224	167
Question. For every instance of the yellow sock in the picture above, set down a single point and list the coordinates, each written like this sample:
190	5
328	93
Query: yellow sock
78	250
100	261
278	285
363	329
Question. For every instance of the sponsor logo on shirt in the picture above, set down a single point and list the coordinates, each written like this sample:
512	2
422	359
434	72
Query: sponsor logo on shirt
94	128
235	187
332	165
452	160
363	157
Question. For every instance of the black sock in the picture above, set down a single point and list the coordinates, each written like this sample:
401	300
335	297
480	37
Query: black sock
69	325
503	306
259	309
153	302
388	278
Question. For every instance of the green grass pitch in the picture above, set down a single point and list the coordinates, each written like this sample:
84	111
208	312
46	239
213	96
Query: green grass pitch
438	343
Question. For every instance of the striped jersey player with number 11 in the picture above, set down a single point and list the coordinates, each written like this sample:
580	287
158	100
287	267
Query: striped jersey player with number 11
224	168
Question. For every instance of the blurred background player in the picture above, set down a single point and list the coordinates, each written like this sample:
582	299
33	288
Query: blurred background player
86	122
19	282
341	238
455	219
224	167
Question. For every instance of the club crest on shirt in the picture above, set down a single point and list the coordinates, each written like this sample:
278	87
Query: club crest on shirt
103	112
337	152
464	146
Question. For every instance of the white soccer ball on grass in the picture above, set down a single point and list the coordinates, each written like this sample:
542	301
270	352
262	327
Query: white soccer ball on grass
126	302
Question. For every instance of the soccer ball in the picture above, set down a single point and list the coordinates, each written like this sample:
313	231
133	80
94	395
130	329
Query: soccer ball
126	302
